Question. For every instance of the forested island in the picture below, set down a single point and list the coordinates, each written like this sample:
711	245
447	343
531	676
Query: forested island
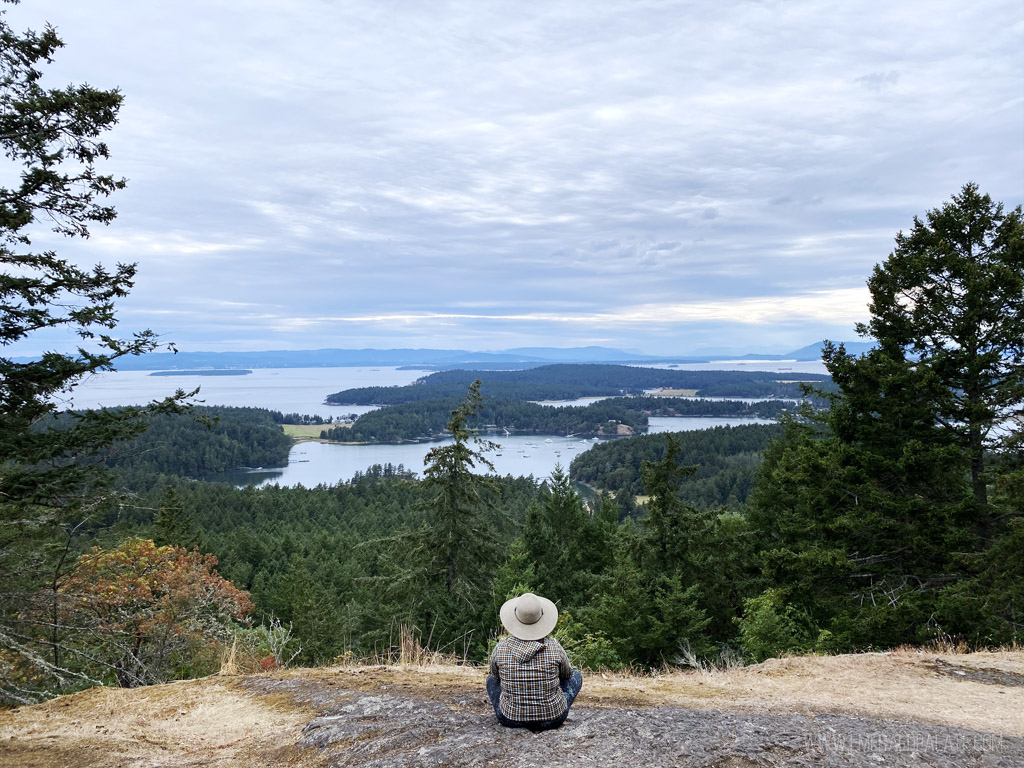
570	382
423	420
421	410
428	419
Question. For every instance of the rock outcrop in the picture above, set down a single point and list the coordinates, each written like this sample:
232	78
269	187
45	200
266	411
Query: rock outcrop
377	729
905	708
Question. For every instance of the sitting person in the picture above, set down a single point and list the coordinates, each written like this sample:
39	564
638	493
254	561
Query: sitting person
531	683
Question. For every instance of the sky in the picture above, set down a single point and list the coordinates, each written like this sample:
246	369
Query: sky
662	177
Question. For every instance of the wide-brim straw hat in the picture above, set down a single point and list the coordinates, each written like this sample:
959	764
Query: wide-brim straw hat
529	616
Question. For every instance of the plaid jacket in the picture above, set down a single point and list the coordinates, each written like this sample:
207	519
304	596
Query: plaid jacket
529	672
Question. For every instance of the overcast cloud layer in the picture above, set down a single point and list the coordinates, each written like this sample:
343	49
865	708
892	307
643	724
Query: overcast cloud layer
658	176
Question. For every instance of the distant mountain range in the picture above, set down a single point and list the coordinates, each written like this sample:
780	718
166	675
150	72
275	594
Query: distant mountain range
440	358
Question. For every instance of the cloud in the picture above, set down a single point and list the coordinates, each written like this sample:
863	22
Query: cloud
467	169
160	244
876	81
844	305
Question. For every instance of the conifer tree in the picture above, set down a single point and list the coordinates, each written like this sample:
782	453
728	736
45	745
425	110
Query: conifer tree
456	553
655	595
949	302
513	577
312	614
870	520
947	376
52	476
665	511
568	544
173	523
457	497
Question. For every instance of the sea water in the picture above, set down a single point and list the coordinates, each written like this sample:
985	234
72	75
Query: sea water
303	390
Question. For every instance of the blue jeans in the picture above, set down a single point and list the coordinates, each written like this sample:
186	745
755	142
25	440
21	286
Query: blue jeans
570	688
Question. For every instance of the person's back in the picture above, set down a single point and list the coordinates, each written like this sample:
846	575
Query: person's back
531	682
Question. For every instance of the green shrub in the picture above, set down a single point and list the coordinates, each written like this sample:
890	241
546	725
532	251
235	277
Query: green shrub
586	649
770	627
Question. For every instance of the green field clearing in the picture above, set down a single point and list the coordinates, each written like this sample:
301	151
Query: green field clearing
308	430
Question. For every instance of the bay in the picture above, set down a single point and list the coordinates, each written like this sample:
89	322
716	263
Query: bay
302	390
310	464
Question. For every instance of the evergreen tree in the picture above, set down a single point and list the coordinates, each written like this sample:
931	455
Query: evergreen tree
949	301
553	534
657	589
665	512
514	577
856	534
568	545
173	524
648	614
988	608
459	544
457	497
871	519
52	479
313	615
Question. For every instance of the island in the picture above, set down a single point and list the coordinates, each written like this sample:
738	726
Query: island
570	382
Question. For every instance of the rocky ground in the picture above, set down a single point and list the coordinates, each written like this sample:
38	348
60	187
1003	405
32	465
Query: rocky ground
902	709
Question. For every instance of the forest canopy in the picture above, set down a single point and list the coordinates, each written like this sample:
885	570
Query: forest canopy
727	459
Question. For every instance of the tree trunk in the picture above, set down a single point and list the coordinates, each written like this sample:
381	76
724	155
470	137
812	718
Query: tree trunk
978	484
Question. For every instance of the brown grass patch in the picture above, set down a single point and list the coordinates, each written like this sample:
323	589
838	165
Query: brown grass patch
903	685
438	682
197	722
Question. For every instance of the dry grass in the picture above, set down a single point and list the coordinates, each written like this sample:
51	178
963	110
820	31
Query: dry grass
406	648
214	722
197	722
909	685
666	392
